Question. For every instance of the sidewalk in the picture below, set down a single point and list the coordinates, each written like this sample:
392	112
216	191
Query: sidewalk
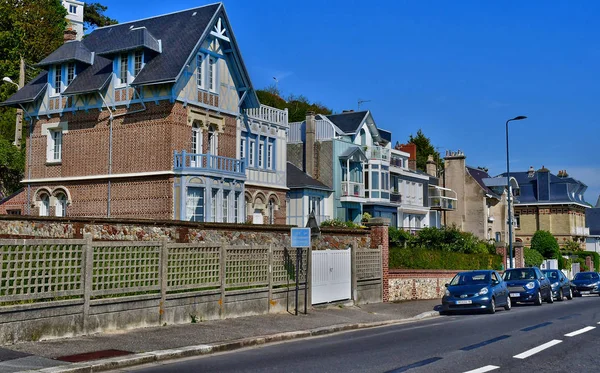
113	350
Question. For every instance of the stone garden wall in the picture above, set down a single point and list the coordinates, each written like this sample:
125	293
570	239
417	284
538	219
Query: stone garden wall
412	284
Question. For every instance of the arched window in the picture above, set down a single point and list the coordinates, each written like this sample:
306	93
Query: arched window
271	211
196	139
61	205
212	145
44	204
363	137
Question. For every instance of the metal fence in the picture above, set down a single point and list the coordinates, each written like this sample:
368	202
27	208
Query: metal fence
48	270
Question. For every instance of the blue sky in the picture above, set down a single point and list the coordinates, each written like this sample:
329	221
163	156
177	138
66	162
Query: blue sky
456	69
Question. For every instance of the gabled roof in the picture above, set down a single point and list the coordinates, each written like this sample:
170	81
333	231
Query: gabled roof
69	51
354	152
135	38
30	92
297	179
479	175
170	39
348	122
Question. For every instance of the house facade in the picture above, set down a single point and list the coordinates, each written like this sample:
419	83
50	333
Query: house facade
592	222
481	201
554	203
306	196
147	120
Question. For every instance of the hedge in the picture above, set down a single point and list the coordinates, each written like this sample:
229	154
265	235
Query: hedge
582	254
408	258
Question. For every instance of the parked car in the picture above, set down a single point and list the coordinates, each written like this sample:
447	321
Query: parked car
561	286
528	285
585	283
476	290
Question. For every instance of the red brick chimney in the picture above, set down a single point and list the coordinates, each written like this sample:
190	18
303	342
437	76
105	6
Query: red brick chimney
412	159
69	35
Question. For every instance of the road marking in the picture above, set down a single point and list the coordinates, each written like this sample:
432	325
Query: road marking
569	316
415	365
530	328
487	368
484	343
537	349
580	331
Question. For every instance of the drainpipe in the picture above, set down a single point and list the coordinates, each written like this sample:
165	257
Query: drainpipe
110	143
29	159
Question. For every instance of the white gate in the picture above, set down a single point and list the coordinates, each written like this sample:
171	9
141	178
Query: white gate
331	275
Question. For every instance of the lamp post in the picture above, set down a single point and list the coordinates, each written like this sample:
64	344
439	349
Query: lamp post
19	119
509	194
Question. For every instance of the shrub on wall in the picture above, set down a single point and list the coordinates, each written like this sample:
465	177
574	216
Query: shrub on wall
416	258
545	243
449	239
581	255
532	258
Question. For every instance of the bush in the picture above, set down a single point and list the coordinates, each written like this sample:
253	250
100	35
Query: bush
545	243
449	239
416	258
581	255
398	237
532	258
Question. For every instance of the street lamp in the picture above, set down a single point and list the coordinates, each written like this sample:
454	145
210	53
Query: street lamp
509	194
9	80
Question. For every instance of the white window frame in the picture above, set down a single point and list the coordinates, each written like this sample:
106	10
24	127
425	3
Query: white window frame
251	153
225	205
57	80
261	155
196	139
270	155
212	74
214	202
72	9
44	205
243	149
190	209
54	152
236	206
213	141
199	70
60	208
120	81
137	70
71	73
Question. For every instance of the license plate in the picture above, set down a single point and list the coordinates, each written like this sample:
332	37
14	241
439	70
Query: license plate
515	295
464	302
584	292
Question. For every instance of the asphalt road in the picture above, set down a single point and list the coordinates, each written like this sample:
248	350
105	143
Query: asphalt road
559	337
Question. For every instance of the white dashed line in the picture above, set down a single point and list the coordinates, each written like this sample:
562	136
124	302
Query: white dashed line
580	331
487	368
537	349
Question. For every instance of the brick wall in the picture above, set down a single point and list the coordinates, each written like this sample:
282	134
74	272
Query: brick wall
258	198
379	237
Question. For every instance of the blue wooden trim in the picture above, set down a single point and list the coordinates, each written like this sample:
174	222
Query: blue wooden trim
211	53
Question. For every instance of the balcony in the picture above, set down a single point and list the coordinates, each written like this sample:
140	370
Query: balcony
269	114
396	198
442	199
377	153
352	191
209	164
580	231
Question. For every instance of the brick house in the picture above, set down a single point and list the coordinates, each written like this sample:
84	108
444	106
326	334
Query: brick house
157	119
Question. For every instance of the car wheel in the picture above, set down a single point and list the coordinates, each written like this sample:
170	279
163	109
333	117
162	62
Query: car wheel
538	299
492	306
560	295
570	295
508	305
550	298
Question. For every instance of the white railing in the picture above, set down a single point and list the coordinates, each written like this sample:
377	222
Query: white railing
324	130
377	153
580	231
295	133
269	114
442	198
353	189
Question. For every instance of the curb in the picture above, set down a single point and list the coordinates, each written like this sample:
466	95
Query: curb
199	350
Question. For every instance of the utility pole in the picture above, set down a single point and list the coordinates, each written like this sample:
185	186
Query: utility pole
19	120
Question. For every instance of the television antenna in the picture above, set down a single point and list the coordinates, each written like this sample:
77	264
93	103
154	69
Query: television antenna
360	102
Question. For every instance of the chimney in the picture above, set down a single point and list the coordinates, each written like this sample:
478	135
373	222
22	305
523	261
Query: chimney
431	166
347	111
412	159
531	172
69	35
309	144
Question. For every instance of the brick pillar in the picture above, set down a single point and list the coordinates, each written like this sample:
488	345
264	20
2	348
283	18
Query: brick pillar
519	254
501	250
379	237
589	263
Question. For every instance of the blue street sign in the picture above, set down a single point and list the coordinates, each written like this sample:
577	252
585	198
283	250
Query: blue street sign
300	237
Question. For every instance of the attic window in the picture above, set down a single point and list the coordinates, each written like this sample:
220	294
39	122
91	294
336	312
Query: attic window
193	14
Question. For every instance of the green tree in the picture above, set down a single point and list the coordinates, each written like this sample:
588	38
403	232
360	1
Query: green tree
532	258
424	150
93	16
12	163
297	105
545	243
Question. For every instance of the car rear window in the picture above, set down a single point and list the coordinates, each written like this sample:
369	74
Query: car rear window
519	274
586	276
470	278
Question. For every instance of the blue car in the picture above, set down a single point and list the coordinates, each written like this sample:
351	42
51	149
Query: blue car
586	283
476	290
561	286
528	285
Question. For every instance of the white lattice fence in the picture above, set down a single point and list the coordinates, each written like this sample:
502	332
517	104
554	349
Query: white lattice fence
246	266
368	264
193	267
125	267
38	269
284	266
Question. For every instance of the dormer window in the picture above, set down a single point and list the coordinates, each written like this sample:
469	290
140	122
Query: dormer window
57	80
206	72
70	73
199	74
138	62
212	72
123	69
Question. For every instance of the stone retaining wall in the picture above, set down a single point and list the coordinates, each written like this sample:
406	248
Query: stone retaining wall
412	284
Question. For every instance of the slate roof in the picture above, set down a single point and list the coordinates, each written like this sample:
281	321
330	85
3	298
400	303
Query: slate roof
348	122
385	134
169	39
69	51
30	92
297	179
562	190
479	175
349	152
592	220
